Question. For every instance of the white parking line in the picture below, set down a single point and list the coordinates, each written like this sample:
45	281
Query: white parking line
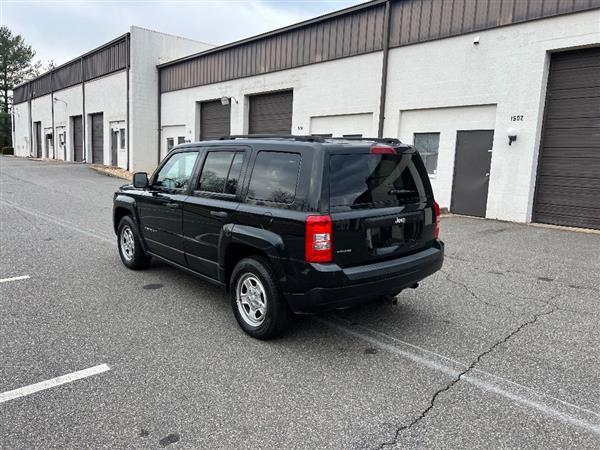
550	406
6	280
42	385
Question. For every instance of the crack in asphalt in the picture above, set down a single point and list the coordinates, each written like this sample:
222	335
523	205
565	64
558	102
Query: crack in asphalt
473	294
461	375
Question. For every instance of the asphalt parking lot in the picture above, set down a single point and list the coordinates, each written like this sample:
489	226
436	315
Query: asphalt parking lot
499	349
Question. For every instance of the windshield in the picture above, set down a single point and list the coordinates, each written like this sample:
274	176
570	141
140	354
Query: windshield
361	180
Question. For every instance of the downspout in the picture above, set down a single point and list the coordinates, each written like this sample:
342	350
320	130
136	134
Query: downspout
83	117
159	119
384	67
30	122
52	108
127	127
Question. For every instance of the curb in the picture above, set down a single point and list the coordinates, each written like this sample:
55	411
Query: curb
111	171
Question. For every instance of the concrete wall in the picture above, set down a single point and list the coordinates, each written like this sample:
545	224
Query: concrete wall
41	111
106	95
148	49
508	68
68	103
446	121
22	130
439	86
342	87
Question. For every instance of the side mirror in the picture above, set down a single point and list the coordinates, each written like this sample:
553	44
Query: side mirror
140	180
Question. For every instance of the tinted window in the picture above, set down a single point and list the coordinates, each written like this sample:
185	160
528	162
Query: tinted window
376	179
234	174
221	172
177	171
274	177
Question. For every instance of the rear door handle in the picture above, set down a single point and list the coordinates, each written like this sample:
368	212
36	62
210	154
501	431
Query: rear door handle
172	205
220	214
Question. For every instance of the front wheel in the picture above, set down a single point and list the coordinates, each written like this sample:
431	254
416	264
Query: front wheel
130	249
256	301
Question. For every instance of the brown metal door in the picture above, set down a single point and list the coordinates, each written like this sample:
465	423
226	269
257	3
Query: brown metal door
98	138
568	176
215	120
472	172
77	138
37	131
271	113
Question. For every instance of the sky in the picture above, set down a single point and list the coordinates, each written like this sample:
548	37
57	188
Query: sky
62	30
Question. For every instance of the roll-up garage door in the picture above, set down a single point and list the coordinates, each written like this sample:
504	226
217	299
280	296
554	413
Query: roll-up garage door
568	179
77	138
271	113
215	120
98	138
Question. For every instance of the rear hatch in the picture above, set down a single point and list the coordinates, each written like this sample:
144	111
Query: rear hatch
381	204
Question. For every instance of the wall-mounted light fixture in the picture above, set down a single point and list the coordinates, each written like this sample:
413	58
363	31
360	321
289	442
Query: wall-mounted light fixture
476	40
59	100
226	100
512	135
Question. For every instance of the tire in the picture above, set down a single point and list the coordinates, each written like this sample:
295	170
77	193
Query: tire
264	314
130	249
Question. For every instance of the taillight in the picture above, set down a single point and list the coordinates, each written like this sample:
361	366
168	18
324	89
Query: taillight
318	243
436	230
382	149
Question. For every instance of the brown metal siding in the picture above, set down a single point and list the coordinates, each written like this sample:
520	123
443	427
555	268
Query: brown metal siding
107	59
568	181
416	21
271	113
215	120
358	32
333	38
68	75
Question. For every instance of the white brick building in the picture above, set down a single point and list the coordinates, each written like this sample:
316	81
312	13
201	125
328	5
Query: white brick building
453	77
98	106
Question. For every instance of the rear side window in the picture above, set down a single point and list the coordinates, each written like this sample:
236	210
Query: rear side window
221	172
275	177
362	180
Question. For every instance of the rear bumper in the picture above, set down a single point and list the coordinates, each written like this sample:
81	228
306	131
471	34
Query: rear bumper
335	287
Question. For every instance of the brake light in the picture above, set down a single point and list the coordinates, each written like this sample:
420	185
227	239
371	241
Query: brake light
318	242
382	149
436	230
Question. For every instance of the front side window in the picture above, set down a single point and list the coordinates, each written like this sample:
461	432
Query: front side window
275	177
221	172
177	171
428	145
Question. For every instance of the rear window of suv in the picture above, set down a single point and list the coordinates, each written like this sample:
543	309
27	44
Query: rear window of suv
363	180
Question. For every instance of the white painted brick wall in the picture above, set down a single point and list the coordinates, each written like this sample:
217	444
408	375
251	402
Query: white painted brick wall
347	86
148	49
508	68
107	95
21	136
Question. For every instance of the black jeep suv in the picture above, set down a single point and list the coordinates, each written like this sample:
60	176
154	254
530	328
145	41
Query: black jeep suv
286	224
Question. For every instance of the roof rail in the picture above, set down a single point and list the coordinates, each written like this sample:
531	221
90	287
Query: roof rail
274	136
391	141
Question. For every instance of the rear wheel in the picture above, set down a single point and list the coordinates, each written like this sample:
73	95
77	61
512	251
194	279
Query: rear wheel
256	301
130	249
